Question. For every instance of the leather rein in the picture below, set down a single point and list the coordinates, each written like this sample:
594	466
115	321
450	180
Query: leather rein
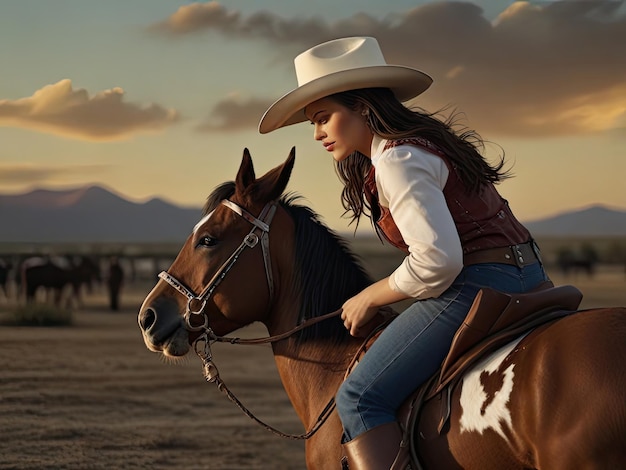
197	302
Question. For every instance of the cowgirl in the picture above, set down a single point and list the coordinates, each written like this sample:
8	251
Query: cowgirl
431	194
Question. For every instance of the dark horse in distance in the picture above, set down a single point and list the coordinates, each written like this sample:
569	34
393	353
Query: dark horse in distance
55	276
5	269
551	399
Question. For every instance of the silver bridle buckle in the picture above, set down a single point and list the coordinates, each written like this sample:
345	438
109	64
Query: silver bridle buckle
251	240
199	312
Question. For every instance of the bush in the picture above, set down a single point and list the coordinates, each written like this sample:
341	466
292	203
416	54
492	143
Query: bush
38	315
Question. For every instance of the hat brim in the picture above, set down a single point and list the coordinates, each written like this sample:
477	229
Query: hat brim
405	82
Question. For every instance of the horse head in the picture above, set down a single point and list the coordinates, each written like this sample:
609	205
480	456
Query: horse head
259	256
224	270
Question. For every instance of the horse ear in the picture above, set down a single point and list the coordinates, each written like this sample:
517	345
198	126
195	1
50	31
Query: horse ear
245	175
272	185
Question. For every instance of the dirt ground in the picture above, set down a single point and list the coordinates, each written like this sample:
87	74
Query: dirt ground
91	396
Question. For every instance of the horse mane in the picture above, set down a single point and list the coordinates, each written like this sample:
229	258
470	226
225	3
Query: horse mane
221	192
327	271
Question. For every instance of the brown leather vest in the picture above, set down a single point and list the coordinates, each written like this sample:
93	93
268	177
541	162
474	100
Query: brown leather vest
483	220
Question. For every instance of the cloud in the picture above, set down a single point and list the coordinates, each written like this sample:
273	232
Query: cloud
544	69
234	114
60	110
198	17
18	174
212	16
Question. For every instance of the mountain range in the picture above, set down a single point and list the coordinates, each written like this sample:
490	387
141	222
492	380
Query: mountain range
594	221
97	215
92	215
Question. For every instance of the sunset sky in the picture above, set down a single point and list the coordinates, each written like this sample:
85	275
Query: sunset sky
158	98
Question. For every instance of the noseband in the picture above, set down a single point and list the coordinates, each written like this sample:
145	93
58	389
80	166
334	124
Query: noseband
197	302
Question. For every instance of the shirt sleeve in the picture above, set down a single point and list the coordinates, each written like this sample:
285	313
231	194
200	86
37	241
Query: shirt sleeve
410	182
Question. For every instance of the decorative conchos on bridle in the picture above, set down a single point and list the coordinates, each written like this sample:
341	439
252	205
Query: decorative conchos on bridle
197	302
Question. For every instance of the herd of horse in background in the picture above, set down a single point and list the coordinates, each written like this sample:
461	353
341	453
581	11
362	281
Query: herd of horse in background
60	280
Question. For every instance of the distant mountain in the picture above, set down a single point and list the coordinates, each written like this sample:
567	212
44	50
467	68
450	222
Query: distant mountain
97	215
595	221
91	214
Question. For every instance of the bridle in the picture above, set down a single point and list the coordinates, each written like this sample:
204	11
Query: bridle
250	241
197	302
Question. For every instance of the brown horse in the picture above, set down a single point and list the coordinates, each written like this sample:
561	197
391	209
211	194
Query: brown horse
56	274
552	399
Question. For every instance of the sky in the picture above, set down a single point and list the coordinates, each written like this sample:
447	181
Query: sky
158	98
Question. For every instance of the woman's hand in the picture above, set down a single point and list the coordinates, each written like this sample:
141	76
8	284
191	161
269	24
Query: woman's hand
357	311
360	309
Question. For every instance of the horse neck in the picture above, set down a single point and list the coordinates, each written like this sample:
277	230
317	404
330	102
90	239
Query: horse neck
313	367
311	374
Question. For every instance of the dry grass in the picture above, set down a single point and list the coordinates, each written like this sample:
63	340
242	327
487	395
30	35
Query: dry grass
37	314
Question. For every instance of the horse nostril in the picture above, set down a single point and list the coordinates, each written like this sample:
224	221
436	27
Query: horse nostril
148	317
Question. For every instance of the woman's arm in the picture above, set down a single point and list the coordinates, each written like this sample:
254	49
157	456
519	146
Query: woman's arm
411	181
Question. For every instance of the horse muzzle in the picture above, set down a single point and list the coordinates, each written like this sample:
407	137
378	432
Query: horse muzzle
162	327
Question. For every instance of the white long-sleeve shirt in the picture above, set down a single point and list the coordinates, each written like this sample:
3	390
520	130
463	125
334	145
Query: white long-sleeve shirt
410	182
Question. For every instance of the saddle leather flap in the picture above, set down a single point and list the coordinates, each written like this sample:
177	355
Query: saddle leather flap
494	311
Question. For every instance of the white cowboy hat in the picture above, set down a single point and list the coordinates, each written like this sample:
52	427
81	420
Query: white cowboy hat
336	66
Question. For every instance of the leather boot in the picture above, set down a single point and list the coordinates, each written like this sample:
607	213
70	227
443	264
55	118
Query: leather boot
378	449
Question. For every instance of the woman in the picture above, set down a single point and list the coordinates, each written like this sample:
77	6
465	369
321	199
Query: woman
431	194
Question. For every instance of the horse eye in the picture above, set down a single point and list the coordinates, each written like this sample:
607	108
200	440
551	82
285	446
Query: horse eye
207	241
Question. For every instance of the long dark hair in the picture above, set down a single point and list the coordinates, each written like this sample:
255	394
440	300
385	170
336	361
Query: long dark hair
390	119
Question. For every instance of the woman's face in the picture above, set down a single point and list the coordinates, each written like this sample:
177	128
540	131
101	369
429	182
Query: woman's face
341	130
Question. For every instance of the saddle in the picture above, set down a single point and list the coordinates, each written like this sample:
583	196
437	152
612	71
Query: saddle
494	319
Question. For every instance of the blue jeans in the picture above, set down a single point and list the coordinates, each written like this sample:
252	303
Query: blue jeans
413	346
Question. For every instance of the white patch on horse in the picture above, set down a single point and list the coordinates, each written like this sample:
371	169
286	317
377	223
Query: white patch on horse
473	395
202	221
